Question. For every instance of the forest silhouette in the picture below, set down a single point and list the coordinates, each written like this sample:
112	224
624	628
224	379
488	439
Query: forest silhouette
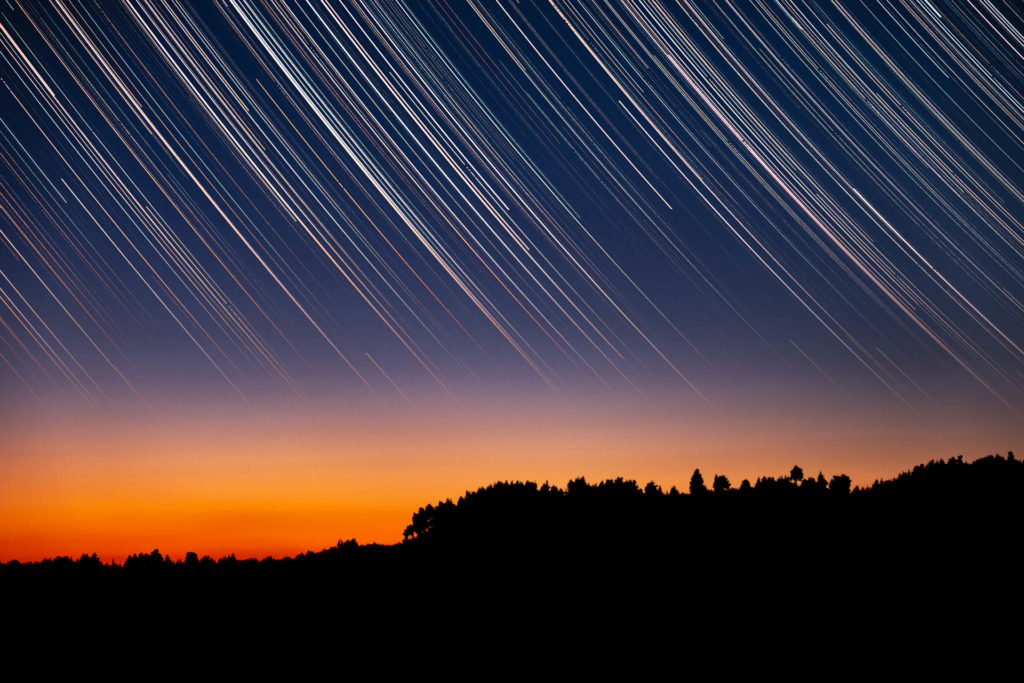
930	556
932	551
948	513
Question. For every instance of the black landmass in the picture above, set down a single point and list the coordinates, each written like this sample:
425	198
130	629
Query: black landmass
941	539
930	557
952	511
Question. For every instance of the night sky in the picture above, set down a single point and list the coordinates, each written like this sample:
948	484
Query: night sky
277	273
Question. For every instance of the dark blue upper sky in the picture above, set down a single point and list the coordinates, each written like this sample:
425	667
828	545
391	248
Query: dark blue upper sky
688	199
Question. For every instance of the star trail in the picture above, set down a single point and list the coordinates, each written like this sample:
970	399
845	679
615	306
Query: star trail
689	204
221	171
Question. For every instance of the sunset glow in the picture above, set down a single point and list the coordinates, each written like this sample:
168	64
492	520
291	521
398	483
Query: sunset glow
277	274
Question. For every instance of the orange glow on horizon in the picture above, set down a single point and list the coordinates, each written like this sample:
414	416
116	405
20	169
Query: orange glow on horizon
280	482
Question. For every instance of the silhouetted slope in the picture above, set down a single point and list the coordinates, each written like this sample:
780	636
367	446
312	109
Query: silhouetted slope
788	560
927	508
950	514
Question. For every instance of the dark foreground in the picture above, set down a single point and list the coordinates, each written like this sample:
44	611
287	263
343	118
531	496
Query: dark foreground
935	546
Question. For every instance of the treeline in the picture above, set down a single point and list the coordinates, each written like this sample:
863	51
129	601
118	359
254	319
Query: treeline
942	509
945	511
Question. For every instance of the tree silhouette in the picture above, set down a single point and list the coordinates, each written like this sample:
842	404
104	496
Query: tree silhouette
721	483
697	483
796	474
840	484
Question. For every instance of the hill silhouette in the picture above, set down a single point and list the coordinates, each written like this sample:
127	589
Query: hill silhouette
944	510
930	550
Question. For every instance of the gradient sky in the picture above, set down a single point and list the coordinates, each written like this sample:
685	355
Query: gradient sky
274	274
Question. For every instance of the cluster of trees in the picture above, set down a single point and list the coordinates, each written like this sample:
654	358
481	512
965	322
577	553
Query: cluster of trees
941	506
150	560
511	509
157	561
840	483
943	510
